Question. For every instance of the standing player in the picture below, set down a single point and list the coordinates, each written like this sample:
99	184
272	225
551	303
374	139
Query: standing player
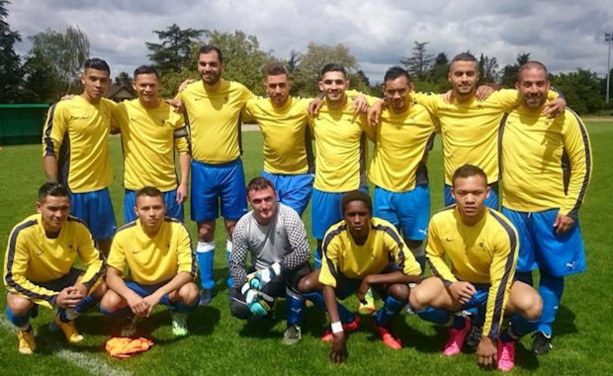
546	169
358	253
76	151
149	130
158	252
482	247
213	108
398	168
275	237
288	158
39	267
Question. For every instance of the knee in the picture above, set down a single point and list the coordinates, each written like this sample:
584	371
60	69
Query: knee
419	299
111	301
399	291
100	290
206	231
19	306
309	283
188	293
534	307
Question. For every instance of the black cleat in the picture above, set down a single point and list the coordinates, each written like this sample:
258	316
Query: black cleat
541	344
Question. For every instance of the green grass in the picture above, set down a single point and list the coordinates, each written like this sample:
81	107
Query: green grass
225	345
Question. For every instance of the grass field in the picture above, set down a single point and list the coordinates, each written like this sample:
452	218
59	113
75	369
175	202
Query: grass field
224	345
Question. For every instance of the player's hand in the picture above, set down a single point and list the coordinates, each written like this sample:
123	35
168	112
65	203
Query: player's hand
338	350
486	353
563	223
483	92
81	289
67	97
314	106
253	303
360	105
374	113
361	293
462	291
263	276
152	300
554	108
182	193
176	104
69	297
185	83
138	305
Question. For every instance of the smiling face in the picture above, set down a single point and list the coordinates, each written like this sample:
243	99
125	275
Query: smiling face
95	84
264	204
533	86
147	86
209	67
333	84
54	211
463	77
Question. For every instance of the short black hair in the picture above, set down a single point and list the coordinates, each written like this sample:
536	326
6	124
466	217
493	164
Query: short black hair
395	72
463	56
146	69
148	191
208	48
466	171
259	183
333	67
97	64
531	64
275	69
356	195
52	189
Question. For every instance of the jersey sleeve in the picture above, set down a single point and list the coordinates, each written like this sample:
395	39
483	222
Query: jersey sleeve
430	101
508	99
579	151
400	254
15	266
181	134
117	255
298	242
185	252
91	257
247	112
119	116
502	270
435	255
331	253
240	248
55	128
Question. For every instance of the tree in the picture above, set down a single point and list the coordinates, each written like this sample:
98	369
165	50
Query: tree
66	50
581	90
124	79
488	69
41	83
509	72
10	64
420	62
294	60
175	51
306	75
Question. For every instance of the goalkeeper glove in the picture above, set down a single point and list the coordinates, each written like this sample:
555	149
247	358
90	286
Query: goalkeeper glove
263	276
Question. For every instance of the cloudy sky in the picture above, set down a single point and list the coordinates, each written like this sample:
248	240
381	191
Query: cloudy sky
564	34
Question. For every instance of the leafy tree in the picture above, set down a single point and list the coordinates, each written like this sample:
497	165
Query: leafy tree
124	79
66	51
488	69
509	72
10	65
581	90
294	60
41	83
420	62
175	51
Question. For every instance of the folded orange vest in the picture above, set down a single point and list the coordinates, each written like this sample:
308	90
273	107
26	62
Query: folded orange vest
123	347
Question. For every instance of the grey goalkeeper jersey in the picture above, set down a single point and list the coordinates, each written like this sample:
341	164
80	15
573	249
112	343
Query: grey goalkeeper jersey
283	240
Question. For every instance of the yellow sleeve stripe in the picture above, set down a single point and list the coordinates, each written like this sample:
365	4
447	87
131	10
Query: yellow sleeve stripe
9	280
508	270
588	165
332	233
49	149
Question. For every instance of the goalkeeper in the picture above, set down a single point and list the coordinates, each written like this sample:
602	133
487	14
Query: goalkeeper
275	237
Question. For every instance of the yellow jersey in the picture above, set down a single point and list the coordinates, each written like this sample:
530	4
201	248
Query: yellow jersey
32	258
76	133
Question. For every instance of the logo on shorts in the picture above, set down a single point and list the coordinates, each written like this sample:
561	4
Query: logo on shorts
570	265
422	231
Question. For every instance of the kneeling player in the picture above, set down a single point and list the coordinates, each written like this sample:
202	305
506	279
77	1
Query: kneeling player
158	252
360	252
482	247
39	270
274	235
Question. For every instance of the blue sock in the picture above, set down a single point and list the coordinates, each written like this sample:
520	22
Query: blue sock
520	326
435	315
88	302
391	307
295	305
181	307
317	298
551	289
19	321
317	258
123	312
228	257
205	264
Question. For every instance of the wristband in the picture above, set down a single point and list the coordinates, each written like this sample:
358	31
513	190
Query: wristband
337	327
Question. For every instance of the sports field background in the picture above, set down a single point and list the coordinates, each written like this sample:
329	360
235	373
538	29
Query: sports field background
220	344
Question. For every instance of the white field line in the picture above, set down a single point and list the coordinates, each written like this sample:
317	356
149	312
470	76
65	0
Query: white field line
88	363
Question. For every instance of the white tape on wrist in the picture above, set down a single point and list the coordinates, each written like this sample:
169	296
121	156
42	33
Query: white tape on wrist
337	327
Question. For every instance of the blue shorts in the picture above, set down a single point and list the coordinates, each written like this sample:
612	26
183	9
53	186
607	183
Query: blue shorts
292	190
326	210
490	202
96	210
214	183
408	211
173	210
62	282
540	246
146	290
479	298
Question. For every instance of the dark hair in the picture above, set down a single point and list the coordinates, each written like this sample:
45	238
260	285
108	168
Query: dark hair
275	69
333	67
528	65
395	72
146	69
149	192
463	56
52	189
259	183
467	171
356	195
97	64
208	48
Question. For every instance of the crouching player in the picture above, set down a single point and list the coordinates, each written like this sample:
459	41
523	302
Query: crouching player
358	253
275	236
39	267
158	252
482	247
